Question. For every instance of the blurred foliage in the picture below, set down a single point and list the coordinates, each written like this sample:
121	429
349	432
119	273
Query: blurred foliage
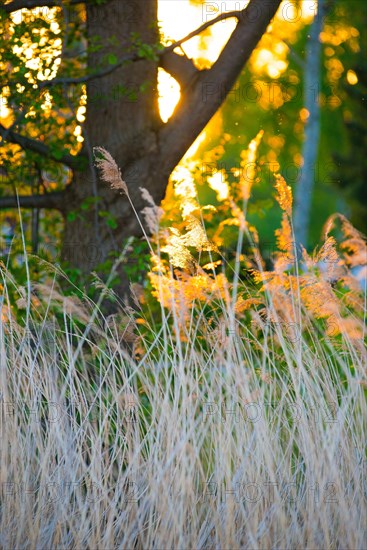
208	265
269	96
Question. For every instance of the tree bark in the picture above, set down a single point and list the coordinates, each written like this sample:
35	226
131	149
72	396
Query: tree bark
145	149
303	198
122	116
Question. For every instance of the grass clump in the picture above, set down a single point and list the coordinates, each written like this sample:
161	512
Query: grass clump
223	412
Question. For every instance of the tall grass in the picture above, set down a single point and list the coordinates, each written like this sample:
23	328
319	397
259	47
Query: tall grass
211	432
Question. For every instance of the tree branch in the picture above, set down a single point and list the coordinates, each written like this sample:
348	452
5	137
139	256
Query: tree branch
221	17
183	68
37	146
179	66
86	78
208	91
16	5
49	200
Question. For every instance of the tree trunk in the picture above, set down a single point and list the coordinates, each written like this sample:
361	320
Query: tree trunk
122	116
131	130
303	198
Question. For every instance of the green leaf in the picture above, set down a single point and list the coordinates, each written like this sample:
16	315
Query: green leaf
111	222
112	59
57	154
71	216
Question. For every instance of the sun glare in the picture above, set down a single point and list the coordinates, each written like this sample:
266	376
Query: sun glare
219	184
169	94
176	21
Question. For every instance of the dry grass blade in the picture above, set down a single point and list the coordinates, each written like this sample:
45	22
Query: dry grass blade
238	420
284	196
